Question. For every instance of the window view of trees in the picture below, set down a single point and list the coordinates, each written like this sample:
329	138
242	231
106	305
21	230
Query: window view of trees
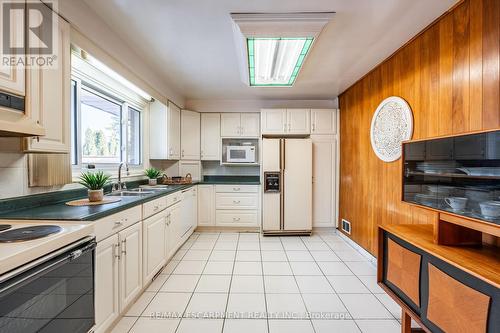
101	129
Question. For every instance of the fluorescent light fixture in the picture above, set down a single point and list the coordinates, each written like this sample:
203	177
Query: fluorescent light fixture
272	47
114	75
276	62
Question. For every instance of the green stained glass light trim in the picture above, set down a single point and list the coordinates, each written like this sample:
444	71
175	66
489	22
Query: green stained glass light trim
298	65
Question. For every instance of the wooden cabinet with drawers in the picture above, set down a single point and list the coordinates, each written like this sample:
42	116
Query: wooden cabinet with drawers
443	288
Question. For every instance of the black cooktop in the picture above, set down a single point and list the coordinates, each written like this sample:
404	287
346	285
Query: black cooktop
4	227
28	233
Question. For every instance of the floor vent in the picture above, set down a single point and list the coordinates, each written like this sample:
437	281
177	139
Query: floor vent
346	226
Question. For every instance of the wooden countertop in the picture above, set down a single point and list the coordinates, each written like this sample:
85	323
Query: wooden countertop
482	262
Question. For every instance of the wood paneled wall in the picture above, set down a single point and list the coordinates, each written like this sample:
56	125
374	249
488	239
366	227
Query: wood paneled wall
449	74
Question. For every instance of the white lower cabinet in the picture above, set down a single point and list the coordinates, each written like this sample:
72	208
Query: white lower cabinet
118	273
130	264
131	251
206	205
237	218
173	234
237	205
154	245
189	211
107	308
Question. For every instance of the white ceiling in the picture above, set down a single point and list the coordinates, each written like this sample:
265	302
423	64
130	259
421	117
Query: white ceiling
190	43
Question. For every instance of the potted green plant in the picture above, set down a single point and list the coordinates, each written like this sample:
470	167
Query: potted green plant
153	175
94	182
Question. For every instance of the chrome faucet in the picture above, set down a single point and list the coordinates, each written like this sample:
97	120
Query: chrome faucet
120	185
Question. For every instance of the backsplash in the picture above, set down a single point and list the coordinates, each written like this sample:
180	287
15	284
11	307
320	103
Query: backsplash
213	168
14	171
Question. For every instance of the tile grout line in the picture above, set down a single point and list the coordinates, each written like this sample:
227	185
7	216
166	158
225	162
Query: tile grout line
357	277
191	297
325	276
230	282
157	291
298	288
264	285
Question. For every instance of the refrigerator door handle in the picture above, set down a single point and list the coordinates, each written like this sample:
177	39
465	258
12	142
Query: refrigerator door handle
282	184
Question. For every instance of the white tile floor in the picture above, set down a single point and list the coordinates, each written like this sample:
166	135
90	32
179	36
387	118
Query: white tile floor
244	282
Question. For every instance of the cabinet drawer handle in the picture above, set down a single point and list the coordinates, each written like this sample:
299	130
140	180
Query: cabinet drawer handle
236	188
235	219
116	250
118	223
236	201
156	208
124	247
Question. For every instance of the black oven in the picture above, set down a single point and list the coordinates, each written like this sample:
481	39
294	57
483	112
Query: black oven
52	294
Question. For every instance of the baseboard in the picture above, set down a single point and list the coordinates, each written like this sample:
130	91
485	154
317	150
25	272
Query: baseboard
357	247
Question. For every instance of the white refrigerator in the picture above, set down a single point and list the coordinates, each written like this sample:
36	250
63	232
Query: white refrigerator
287	188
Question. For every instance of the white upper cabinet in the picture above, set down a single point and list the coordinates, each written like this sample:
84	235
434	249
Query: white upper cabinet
191	167
230	124
240	125
12	78
323	121
298	121
190	135
16	119
273	121
49	99
210	137
174	132
285	121
164	131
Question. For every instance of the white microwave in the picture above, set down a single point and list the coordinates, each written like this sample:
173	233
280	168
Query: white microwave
240	154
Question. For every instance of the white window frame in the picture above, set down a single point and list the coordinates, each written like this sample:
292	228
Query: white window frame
102	85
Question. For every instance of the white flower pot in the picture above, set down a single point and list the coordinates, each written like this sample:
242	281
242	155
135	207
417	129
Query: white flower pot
153	182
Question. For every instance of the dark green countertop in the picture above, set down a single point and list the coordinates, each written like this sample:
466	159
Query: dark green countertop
51	206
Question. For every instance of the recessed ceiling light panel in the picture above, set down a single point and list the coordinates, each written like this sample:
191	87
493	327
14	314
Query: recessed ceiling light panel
272	47
276	61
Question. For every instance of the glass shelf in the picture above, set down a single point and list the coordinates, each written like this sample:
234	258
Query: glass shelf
459	175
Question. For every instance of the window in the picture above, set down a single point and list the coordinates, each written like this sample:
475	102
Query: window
107	116
100	136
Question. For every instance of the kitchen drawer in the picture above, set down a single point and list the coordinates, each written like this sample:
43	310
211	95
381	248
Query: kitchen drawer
236	200
236	188
112	224
236	218
174	198
152	207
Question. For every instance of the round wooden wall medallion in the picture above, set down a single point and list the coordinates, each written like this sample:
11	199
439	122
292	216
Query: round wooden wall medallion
392	124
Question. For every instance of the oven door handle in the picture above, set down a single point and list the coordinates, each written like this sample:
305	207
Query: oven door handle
45	266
